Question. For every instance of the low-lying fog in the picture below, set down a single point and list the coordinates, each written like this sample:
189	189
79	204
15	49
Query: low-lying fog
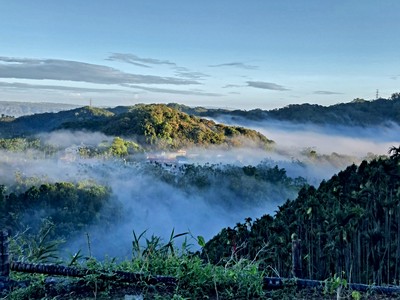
313	152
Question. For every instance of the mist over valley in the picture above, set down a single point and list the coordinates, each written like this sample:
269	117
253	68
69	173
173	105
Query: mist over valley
199	150
161	181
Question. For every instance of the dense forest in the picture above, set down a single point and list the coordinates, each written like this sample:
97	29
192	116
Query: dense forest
72	207
349	225
359	112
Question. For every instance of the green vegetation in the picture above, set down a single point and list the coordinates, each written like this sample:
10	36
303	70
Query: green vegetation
158	126
229	185
154	126
71	207
46	122
359	112
196	278
349	225
19	144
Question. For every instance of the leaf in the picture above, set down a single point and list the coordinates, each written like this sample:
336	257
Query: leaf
201	241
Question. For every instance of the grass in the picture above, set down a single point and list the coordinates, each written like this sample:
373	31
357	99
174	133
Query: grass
196	278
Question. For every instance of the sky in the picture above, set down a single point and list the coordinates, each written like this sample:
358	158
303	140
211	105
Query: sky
226	53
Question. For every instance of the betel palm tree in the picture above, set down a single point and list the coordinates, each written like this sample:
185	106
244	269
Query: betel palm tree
394	152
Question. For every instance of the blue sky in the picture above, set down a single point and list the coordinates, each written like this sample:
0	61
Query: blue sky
232	54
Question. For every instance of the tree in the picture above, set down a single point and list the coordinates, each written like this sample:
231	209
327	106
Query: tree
394	152
395	96
118	147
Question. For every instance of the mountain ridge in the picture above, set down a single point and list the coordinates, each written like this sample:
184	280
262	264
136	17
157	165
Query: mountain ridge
153	125
355	113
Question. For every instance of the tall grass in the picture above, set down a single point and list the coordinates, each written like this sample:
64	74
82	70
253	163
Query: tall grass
196	278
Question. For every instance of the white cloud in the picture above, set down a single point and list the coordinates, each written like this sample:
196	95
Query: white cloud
26	86
266	85
57	69
327	93
173	91
236	65
138	61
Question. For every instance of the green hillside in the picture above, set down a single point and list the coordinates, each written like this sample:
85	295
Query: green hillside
359	112
349	225
46	122
153	126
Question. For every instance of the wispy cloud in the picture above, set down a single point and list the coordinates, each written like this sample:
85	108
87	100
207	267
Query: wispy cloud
266	85
394	77
191	75
138	61
232	86
133	59
56	69
26	86
327	93
173	91
236	65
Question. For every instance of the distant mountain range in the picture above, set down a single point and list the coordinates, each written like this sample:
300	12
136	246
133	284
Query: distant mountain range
18	109
359	112
174	125
356	113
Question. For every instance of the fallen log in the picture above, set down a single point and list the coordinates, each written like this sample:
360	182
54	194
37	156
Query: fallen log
278	283
59	270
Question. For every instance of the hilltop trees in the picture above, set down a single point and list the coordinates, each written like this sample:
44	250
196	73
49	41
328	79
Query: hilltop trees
153	126
395	96
159	126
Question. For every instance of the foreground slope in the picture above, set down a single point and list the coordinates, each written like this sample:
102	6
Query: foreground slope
349	225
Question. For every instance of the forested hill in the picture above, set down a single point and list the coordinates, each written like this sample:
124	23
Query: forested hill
349	225
154	125
356	113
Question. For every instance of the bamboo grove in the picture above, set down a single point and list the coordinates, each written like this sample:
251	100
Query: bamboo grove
349	225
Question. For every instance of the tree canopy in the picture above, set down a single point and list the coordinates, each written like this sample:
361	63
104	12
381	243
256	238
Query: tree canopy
348	225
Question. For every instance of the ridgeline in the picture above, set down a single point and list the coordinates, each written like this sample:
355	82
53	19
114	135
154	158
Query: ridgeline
155	126
359	112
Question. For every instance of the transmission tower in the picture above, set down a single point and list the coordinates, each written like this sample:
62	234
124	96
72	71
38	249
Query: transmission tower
377	94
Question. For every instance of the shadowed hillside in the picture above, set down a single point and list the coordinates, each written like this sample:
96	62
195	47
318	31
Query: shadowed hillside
356	113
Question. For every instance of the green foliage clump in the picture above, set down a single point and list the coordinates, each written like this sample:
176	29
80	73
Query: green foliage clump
72	207
121	148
